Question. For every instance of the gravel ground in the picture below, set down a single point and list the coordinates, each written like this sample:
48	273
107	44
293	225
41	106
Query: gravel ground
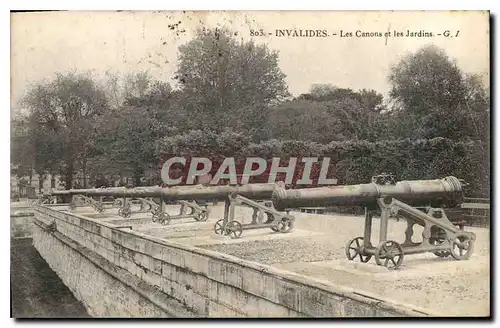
280	251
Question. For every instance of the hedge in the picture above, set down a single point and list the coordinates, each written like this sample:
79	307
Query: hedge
354	161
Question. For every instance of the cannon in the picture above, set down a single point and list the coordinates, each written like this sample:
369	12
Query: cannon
420	202
124	198
188	209
251	195
196	192
264	216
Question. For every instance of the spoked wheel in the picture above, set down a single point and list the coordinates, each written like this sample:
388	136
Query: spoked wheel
271	220
354	248
164	218
156	211
389	254
438	237
234	229
462	247
285	225
439	253
125	212
219	227
203	216
117	203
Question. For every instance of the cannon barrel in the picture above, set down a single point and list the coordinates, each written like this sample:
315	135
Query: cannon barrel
440	192
122	191
258	191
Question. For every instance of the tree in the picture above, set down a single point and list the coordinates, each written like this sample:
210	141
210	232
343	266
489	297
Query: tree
47	154
435	99
136	85
161	102
322	90
119	88
113	89
219	77
353	115
157	93
425	80
476	107
63	113
125	142
21	150
304	120
146	111
33	148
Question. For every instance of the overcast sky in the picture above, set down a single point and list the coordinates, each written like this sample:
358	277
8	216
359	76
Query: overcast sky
45	43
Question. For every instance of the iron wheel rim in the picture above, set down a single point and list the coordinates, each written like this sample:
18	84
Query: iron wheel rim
219	227
465	246
285	225
234	229
389	250
358	250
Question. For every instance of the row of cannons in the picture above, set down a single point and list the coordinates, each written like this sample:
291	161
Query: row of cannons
420	202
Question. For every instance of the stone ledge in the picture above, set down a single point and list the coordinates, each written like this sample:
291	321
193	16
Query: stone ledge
353	267
19	214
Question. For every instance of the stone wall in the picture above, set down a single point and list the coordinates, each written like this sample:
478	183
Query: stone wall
118	272
21	224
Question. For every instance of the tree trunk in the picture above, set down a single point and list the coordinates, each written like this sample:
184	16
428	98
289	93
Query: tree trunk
138	173
84	169
137	179
68	179
41	177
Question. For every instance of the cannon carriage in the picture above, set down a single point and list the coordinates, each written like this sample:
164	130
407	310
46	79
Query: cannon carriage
420	202
264	216
132	201
190	199
157	209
